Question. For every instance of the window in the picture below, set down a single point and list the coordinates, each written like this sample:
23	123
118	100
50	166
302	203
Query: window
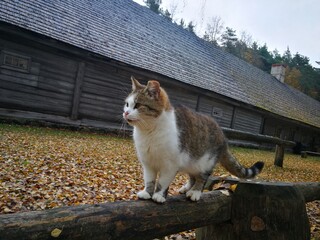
217	112
15	61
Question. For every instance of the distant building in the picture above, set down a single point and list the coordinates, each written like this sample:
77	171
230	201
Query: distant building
70	62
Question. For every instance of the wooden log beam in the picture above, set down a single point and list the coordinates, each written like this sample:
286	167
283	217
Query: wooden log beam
118	220
259	138
305	154
310	190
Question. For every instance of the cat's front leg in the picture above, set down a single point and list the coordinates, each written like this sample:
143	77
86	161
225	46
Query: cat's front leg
196	190
188	185
165	178
149	176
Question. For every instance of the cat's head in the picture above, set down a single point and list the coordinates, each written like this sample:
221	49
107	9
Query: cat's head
145	103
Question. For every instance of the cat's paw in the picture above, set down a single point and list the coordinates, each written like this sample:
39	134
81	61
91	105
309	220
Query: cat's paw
194	195
143	195
157	197
183	189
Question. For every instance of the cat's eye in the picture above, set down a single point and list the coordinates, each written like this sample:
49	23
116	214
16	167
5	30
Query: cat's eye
137	105
127	104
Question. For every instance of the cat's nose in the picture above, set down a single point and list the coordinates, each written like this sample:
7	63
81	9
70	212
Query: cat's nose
126	113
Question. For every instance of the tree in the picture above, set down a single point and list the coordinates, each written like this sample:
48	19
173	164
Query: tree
299	60
287	56
173	9
266	58
245	38
166	14
276	56
213	30
292	77
182	23
154	5
229	39
191	27
251	54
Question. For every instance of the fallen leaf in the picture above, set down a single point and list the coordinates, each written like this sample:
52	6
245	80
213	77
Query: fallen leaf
56	232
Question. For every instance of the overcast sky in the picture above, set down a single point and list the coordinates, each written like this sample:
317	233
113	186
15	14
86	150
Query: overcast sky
278	23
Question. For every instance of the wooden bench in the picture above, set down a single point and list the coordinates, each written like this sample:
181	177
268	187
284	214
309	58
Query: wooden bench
304	154
280	143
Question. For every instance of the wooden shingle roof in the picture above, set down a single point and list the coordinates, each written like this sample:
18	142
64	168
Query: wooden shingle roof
130	33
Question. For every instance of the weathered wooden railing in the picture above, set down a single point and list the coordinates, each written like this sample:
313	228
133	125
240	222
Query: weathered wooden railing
256	210
280	143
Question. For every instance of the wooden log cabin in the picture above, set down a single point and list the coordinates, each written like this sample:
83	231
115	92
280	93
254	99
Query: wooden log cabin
70	62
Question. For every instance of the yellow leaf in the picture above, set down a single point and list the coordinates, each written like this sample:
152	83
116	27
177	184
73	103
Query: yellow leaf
233	187
56	232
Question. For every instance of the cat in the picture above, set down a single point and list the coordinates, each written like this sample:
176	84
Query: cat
169	140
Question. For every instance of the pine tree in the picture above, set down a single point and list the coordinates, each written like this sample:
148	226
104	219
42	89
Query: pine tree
154	5
166	14
266	58
191	27
182	23
287	56
229	39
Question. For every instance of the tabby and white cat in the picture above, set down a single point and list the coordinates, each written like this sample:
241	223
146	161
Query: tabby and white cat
169	140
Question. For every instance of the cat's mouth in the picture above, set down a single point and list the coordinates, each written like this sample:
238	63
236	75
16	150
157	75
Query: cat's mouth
132	121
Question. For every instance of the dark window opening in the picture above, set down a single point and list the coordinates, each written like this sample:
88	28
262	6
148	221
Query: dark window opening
15	61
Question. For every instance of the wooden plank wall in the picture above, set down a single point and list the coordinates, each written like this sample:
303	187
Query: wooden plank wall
273	127
103	93
206	106
292	132
85	89
47	88
88	89
247	121
181	96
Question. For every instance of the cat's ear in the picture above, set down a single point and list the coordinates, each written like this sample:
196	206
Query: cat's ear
135	84
153	89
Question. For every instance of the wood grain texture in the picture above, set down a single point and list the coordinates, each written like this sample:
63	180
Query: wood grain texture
118	220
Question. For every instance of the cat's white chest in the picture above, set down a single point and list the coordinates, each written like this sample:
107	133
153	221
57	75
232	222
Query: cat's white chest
158	147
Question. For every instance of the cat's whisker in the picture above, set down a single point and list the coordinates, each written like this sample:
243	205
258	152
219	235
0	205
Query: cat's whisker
123	128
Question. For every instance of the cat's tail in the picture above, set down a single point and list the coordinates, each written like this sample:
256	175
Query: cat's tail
235	168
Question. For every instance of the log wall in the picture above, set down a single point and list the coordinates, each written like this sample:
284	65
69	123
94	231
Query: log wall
47	87
87	89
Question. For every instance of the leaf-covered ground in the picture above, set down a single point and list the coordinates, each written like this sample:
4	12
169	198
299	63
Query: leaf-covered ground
43	168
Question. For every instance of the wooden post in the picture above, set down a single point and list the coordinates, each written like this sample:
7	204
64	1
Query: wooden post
267	211
279	156
278	160
77	91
